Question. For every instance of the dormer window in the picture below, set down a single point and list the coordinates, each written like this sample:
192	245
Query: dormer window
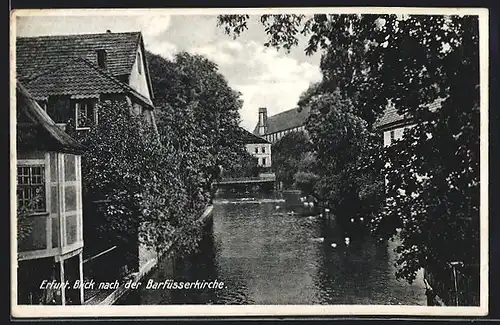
139	63
101	59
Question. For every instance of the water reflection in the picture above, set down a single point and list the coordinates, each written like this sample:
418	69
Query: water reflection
267	253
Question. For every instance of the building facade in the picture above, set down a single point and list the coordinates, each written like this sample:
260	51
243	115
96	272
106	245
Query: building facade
262	152
49	207
273	128
258	147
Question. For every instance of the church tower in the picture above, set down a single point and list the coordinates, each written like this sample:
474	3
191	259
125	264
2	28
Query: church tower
262	121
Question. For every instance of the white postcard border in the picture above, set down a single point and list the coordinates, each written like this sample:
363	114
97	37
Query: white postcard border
261	310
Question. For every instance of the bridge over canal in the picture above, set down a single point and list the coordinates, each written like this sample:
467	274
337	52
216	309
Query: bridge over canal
261	183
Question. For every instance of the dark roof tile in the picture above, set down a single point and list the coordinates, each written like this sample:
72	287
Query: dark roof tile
391	117
250	138
79	78
34	55
285	120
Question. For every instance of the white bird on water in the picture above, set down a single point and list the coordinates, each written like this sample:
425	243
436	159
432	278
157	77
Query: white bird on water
361	219
334	245
352	220
347	240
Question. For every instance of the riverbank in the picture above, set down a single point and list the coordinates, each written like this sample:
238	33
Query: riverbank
148	265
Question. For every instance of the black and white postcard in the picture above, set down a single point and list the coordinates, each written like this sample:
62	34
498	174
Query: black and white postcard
220	162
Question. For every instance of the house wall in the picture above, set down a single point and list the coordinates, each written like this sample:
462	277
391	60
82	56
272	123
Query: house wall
55	240
138	81
58	230
398	134
259	154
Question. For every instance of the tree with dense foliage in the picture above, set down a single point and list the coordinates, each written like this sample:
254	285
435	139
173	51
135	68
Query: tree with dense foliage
245	166
350	182
288	154
410	60
127	168
198	113
306	181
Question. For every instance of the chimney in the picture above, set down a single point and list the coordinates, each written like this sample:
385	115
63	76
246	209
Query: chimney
262	120
101	58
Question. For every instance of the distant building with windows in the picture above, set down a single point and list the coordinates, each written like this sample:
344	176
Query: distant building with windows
258	147
273	128
393	125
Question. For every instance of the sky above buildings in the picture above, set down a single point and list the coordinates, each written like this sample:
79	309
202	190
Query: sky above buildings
265	77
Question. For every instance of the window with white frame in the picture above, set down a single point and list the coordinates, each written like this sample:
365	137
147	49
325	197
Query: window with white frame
85	115
31	188
263	149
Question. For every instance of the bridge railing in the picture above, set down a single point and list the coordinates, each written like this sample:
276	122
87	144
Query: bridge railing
236	179
246	179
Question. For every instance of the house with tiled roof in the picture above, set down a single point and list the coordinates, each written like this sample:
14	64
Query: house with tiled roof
49	206
69	74
273	128
393	124
258	147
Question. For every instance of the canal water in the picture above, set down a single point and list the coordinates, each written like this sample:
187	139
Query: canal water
266	252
